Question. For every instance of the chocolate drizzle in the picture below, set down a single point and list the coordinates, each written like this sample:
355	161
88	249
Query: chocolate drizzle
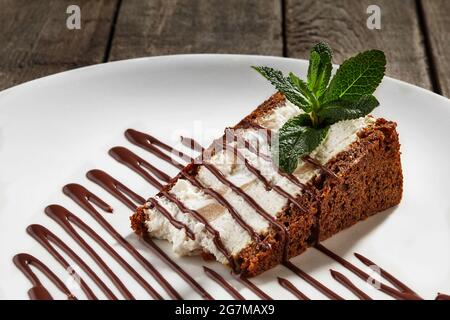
150	144
216	235
65	219
175	267
138	165
83	198
86	199
266	183
253	204
45	237
24	261
404	294
250	285
116	188
174	222
313	282
220	199
343	280
292	289
223	283
398	284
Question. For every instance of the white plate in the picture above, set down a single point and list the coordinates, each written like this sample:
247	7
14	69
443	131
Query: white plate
54	129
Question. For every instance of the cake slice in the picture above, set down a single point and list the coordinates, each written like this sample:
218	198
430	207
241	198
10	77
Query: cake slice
306	164
235	205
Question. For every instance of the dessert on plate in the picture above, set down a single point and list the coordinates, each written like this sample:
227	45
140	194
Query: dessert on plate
307	163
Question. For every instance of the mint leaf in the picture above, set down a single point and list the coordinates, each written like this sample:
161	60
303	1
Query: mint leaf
301	86
302	119
282	84
295	141
356	77
319	70
345	110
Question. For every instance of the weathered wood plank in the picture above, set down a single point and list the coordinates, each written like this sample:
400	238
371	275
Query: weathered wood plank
437	21
343	24
36	42
157	27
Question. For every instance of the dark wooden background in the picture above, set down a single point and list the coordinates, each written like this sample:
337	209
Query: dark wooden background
35	42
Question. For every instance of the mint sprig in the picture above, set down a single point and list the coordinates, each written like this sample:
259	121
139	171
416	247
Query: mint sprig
319	70
357	76
347	96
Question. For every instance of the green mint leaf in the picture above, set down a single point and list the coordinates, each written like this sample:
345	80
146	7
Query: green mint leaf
282	84
301	86
294	141
339	110
319	70
356	77
302	119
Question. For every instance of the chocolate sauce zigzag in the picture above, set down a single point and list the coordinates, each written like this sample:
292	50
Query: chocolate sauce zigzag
343	280
313	282
83	198
152	145
405	294
120	192
386	275
137	164
45	237
116	188
24	261
65	219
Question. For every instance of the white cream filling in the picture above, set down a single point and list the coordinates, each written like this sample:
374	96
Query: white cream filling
341	135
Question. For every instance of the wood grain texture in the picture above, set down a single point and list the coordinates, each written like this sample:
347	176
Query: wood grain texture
158	27
436	15
36	42
342	23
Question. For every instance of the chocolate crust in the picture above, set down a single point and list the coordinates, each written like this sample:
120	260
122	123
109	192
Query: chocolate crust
370	181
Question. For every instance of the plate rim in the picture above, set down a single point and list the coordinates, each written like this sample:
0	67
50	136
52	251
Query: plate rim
198	56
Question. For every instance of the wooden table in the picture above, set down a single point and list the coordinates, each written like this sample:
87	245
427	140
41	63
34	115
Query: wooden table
34	39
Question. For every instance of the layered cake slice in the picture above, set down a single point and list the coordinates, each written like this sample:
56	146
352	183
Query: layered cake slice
245	204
